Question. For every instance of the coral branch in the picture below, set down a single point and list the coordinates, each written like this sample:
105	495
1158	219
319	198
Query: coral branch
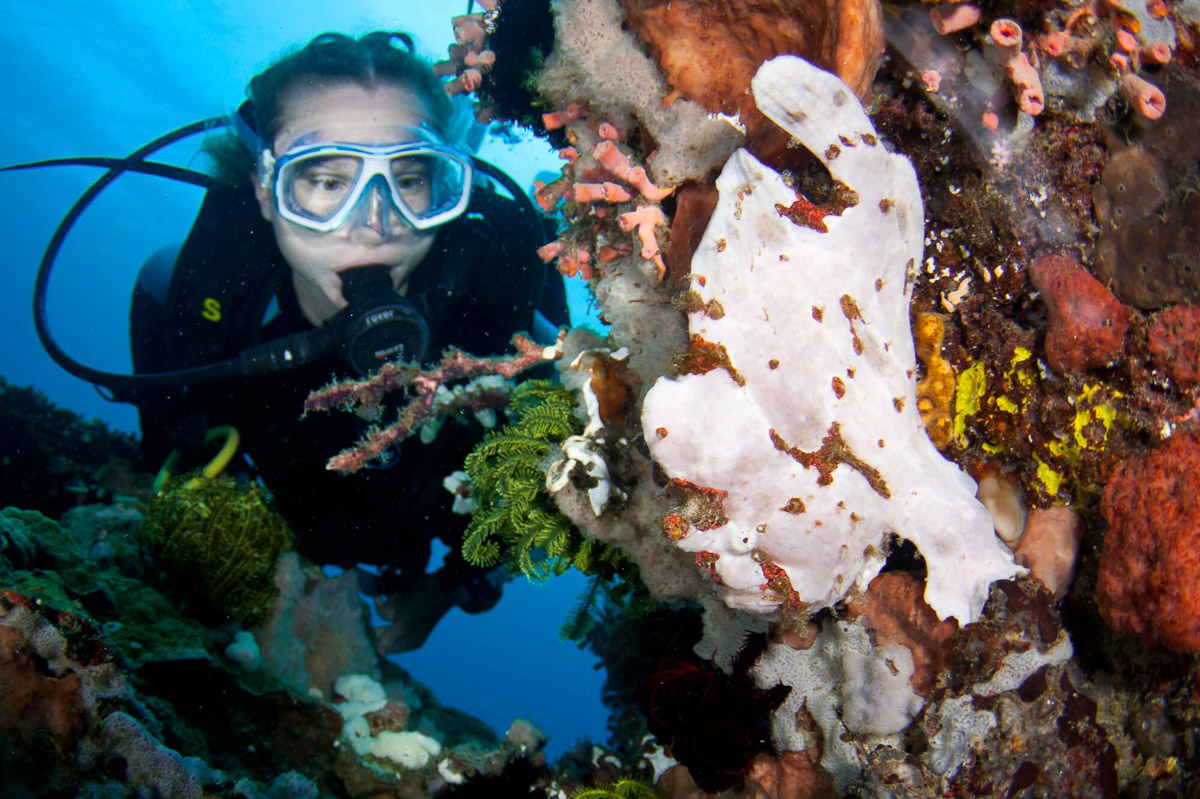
366	395
599	192
616	162
609	131
1007	39
557	119
1007	36
1143	95
469	30
1028	84
1158	53
952	17
547	195
645	218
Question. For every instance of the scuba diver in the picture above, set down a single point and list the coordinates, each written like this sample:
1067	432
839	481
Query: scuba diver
341	230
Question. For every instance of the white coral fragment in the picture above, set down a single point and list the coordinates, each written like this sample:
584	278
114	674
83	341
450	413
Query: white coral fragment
819	445
585	453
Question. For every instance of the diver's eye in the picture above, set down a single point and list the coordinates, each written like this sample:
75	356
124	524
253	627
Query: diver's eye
327	183
327	175
412	182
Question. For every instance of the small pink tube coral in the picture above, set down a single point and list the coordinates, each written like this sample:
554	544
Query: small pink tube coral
1007	36
469	30
557	119
485	59
616	162
609	131
1143	95
638	178
548	252
611	158
1158	53
645	218
586	192
952	17
615	194
1028	84
1054	43
599	192
470	79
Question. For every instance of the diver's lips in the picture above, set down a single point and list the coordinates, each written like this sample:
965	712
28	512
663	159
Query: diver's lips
348	267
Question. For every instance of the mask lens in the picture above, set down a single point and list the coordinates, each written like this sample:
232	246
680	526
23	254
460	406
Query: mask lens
429	185
413	178
318	186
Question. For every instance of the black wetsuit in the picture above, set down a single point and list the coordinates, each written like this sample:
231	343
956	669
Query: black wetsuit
481	283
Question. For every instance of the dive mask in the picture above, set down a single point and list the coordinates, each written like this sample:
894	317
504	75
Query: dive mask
319	185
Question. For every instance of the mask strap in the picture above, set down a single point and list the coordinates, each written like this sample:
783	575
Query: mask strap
243	127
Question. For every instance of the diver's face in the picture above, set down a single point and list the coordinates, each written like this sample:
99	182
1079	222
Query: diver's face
349	113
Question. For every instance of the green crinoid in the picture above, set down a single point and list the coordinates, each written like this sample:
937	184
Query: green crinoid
622	789
517	521
216	544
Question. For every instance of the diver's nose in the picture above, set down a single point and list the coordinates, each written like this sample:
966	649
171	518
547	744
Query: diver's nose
377	211
369	223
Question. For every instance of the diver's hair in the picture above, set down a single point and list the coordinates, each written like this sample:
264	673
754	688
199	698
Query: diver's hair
376	58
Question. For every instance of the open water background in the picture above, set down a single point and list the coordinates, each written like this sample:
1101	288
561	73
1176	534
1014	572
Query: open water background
89	78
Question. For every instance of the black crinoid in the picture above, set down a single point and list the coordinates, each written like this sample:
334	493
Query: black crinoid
520	777
713	723
522	41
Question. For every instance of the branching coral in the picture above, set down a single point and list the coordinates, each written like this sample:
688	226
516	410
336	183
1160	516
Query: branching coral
517	522
216	544
470	57
431	399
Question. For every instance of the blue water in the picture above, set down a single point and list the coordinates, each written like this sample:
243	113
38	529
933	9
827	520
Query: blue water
105	78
